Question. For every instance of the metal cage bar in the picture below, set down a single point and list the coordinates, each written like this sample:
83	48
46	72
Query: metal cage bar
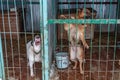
2	71
45	65
83	21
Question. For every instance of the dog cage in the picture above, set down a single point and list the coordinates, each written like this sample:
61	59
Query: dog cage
20	20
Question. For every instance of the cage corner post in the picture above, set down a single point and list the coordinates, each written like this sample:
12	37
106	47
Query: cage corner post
2	71
45	62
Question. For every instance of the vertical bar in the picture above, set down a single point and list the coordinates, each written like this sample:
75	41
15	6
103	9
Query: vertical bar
55	29
45	62
100	41
108	40
6	53
31	17
18	38
60	27
11	39
23	16
115	41
2	71
91	44
41	25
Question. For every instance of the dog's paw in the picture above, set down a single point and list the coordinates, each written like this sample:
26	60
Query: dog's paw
82	72
74	67
87	46
32	75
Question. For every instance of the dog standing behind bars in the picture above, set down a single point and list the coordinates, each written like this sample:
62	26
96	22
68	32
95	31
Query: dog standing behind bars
78	33
34	52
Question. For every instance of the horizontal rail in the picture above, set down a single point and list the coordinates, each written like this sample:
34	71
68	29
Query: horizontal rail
19	2
84	21
60	3
87	3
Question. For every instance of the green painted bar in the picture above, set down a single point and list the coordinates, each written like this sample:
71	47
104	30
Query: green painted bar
45	62
2	71
83	21
41	21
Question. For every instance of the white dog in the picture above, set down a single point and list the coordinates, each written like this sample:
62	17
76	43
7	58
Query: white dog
34	52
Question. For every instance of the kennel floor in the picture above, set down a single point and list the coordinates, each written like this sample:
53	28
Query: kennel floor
102	62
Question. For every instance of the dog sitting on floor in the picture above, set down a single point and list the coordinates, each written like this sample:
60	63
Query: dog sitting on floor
34	52
77	54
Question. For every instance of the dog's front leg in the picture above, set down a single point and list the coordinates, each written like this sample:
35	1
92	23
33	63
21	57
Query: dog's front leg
82	37
31	68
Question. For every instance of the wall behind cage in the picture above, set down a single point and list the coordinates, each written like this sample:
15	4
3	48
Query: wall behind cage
31	12
104	11
33	16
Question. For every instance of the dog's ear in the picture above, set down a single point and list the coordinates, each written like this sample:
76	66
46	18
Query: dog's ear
79	10
88	11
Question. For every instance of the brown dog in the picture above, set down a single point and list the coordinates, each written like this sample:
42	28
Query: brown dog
77	31
77	53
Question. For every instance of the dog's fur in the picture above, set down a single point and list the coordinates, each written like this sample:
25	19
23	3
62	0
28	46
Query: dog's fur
87	13
76	33
77	53
34	52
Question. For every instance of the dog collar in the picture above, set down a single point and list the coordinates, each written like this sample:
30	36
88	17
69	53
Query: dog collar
31	43
36	52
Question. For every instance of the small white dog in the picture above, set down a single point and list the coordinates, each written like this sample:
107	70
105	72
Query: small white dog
34	52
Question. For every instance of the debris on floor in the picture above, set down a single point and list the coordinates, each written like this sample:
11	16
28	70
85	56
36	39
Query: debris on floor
12	78
53	72
101	63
